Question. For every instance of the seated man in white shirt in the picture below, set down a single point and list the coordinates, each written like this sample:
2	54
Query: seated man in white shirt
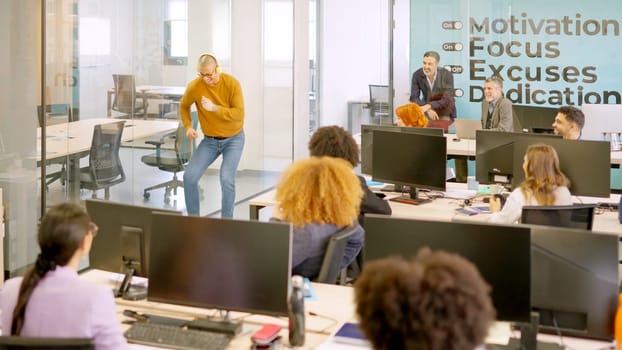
569	122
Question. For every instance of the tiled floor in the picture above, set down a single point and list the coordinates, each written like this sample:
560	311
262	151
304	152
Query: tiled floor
249	183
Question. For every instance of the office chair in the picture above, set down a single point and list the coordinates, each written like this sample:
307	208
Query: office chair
32	343
379	104
55	114
331	265
104	169
579	216
170	160
125	97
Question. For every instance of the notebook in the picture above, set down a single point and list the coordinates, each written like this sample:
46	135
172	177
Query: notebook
466	128
350	333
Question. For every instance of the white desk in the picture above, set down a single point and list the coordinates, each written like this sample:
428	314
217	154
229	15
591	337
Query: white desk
466	147
460	147
150	91
332	308
75	137
443	209
324	316
73	140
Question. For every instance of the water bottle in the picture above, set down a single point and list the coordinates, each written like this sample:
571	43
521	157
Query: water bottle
296	307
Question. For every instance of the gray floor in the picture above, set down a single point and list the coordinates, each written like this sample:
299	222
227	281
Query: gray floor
249	183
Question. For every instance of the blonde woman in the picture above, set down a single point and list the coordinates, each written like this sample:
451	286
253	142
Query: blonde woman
319	196
544	184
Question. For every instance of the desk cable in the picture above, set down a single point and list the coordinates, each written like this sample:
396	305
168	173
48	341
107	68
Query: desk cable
333	320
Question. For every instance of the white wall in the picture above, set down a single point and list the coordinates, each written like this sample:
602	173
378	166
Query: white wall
401	53
354	54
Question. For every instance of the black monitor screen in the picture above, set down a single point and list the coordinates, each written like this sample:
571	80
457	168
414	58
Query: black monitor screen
536	119
220	263
367	140
410	159
585	163
501	253
494	161
124	234
575	281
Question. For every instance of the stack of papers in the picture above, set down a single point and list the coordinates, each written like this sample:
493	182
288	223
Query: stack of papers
460	194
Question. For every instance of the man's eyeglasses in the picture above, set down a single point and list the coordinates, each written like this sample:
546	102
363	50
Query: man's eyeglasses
93	228
207	75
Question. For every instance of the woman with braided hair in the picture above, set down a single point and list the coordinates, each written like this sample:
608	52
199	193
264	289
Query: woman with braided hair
51	300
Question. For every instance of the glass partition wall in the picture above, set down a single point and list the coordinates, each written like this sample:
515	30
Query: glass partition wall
68	55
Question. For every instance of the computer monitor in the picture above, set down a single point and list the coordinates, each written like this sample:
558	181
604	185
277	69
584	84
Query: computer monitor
574	281
494	152
585	163
220	263
418	161
501	253
535	119
367	140
122	243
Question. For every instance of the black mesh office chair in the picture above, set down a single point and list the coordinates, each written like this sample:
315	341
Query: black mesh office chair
331	271
574	216
125	96
105	167
174	161
55	114
30	343
379	104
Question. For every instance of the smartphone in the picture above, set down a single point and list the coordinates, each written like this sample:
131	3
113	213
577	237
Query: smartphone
267	334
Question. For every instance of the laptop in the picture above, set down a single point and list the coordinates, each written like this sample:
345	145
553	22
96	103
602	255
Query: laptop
466	128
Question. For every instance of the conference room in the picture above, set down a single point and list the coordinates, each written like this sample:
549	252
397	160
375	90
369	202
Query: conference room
301	65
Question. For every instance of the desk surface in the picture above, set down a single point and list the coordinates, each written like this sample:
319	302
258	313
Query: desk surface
466	147
333	307
149	91
443	209
75	137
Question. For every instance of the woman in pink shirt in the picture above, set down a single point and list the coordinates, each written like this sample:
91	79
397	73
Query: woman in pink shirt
51	300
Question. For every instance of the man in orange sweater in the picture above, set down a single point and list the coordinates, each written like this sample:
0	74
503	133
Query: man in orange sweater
220	106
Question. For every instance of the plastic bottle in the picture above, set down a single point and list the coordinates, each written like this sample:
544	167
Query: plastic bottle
296	307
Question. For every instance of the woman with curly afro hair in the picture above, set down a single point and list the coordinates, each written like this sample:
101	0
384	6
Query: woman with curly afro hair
320	196
437	301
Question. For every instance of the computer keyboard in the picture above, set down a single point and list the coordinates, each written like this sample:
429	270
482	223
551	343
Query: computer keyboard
174	337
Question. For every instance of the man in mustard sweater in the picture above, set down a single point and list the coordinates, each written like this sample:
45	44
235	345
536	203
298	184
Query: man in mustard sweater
220	106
